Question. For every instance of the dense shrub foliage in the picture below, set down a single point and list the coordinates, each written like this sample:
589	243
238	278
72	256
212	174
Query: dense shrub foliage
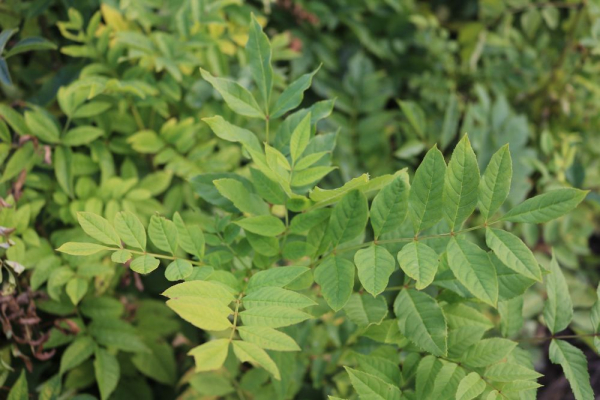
276	200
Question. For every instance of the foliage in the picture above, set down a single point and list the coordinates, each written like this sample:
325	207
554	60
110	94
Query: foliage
197	208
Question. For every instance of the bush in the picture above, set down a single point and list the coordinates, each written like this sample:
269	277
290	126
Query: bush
191	141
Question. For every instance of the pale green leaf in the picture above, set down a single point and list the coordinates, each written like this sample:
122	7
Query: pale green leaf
209	314
63	168
76	288
107	372
470	387
460	185
259	53
268	338
546	207
81	249
163	234
82	135
446	382
121	256
130	229
574	365
495	183
264	225
98	228
473	268
509	372
390	206
144	264
375	265
420	262
210	355
280	277
200	290
422	321
249	352
292	96
427	371
488	351
273	316
300	138
80	350
42	126
241	198
513	253
371	387
425	199
558	308
335	275
276	296
236	96
19	391
191	238
178	270
365	310
310	176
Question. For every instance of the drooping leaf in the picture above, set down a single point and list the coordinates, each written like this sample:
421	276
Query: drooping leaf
427	372
209	314
210	355
461	185
558	308
574	365
19	391
473	268
546	207
420	262
76	288
425	199
495	183
235	95
422	321
249	352
107	372
268	338
77	352
335	275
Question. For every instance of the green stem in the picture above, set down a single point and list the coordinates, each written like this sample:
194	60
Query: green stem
156	255
235	315
267	128
137	117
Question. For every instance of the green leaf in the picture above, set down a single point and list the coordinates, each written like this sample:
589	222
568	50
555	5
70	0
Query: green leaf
365	310
42	126
81	249
335	275
191	238
267	188
210	314
427	371
595	318
375	265
390	206
63	168
415	116
558	308
371	387
241	198
546	207
300	138
178	270
249	352
29	44
5	35
81	135
258	50
264	225
107	371
472	267
422	321
80	350
163	234
273	316
292	96
420	262
279	277
19	391
348	218
210	355
144	264
310	176
5	78
121	256
20	160
200	290
98	228
511	316
14	119
276	296
76	288
51	389
236	96
509	372
232	133
495	183
574	365
513	253
446	381
487	352
130	229
118	334
268	338
425	206
451	120
460	185
470	387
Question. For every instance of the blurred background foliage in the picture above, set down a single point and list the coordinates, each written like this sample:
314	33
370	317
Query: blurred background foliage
403	75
